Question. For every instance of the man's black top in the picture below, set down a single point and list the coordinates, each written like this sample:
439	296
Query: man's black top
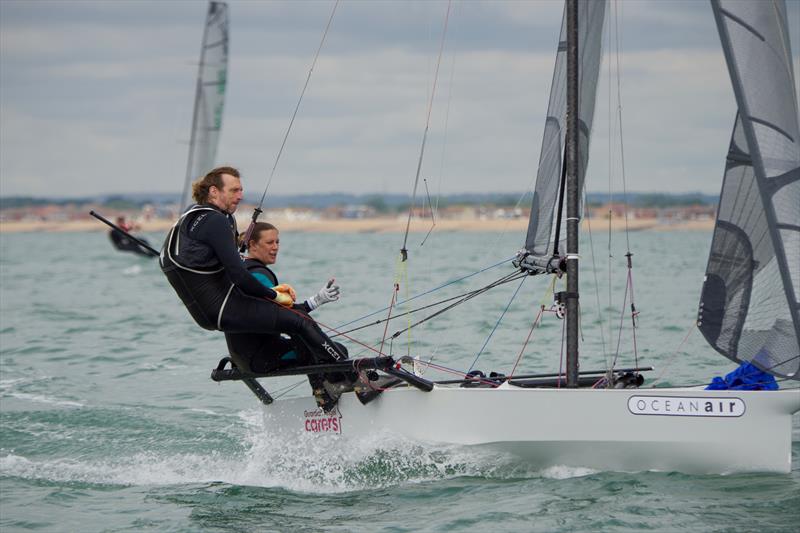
202	263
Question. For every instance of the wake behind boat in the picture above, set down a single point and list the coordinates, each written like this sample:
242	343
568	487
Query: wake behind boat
748	308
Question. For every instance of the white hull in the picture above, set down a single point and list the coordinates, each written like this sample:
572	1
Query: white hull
687	430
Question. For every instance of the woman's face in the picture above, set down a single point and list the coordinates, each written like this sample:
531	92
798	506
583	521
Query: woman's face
265	249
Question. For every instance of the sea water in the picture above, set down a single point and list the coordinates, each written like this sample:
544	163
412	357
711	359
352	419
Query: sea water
109	421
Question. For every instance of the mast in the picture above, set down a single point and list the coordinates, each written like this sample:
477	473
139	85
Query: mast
573	195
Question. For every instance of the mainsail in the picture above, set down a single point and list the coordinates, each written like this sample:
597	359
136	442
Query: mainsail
209	97
591	15
749	305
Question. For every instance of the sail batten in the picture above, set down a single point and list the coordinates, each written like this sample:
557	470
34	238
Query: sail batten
209	97
749	309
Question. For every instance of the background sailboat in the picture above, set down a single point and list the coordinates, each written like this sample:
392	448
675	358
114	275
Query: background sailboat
212	75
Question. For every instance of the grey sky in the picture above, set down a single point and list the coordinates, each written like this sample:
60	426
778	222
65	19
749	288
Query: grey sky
96	97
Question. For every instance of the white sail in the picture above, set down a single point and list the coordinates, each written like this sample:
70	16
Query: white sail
209	97
591	16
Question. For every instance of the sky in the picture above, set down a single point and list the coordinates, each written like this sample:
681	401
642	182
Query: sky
96	97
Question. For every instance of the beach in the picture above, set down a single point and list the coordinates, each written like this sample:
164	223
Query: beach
370	225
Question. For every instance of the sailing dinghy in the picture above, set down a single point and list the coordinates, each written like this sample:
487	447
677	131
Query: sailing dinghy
748	310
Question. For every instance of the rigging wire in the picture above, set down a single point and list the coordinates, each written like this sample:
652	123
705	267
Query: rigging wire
511	277
629	254
596	284
258	210
404	250
616	118
621	133
497	324
446	130
474	292
442	286
433	214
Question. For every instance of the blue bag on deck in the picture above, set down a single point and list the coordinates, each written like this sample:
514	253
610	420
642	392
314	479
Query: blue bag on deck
746	377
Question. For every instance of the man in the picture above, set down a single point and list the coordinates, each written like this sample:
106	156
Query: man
202	263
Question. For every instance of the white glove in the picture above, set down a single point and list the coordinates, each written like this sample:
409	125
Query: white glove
328	293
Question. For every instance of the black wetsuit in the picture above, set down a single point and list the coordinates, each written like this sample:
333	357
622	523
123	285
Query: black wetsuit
266	352
202	263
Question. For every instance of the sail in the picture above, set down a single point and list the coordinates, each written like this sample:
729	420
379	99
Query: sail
591	15
209	97
749	303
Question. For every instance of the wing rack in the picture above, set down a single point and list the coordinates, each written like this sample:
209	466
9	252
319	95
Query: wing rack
383	363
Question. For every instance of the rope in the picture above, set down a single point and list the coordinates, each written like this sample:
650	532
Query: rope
391	304
528	338
403	250
561	358
621	318
549	290
596	285
459	373
672	357
291	123
286	390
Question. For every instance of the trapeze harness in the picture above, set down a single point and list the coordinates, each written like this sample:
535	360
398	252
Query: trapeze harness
194	267
201	262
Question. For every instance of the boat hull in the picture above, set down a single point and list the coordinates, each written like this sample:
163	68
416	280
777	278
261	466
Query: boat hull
686	430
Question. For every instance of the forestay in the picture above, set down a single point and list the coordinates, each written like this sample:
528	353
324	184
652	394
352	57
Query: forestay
209	97
591	16
749	303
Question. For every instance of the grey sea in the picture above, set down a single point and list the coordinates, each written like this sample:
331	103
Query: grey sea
109	421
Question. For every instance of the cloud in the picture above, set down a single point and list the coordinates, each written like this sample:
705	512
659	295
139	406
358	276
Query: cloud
102	92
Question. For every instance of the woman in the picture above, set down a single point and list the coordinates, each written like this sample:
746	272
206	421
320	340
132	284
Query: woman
264	353
262	250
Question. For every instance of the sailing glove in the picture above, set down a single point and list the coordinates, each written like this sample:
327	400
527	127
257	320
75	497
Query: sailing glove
328	293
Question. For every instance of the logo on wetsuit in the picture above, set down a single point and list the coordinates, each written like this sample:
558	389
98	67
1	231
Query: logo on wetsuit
328	348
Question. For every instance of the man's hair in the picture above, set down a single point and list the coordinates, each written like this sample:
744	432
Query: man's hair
259	228
201	187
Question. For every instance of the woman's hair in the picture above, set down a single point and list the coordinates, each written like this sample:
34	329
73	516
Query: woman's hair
202	185
259	228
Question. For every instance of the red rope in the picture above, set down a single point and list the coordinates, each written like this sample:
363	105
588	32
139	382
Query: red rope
561	359
519	357
391	305
329	328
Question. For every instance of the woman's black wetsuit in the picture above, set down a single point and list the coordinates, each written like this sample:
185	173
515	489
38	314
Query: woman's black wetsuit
202	263
266	352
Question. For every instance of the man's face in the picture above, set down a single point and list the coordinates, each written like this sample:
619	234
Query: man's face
229	196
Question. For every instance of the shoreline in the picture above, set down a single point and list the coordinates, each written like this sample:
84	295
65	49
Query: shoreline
367	225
